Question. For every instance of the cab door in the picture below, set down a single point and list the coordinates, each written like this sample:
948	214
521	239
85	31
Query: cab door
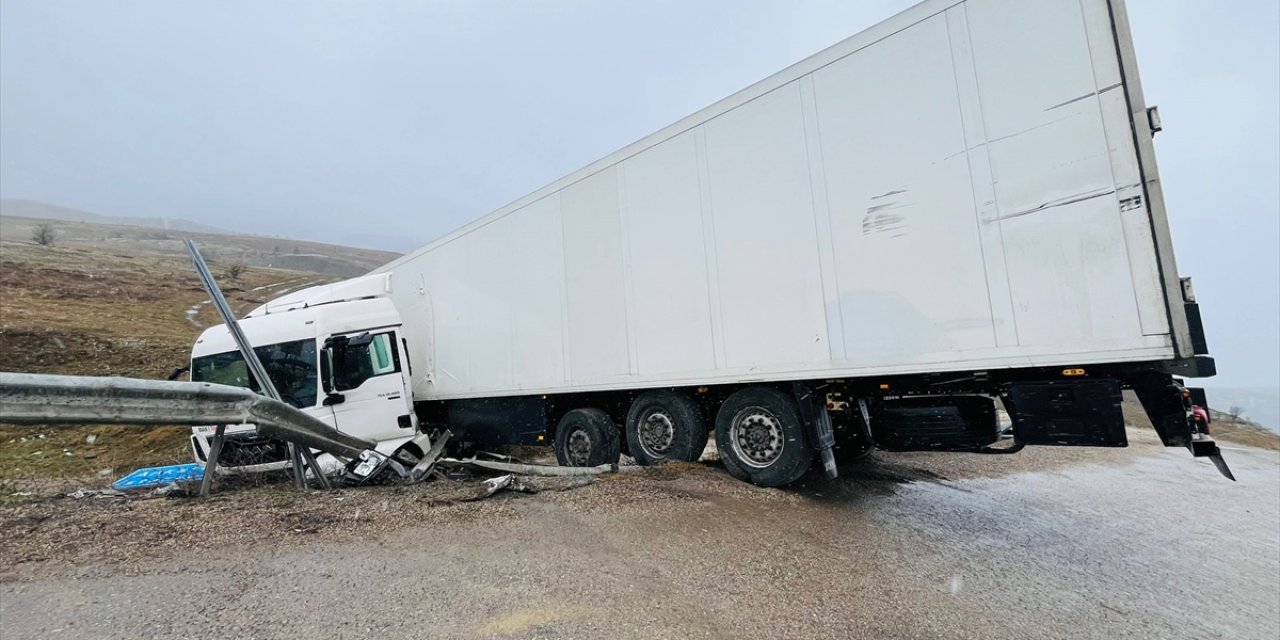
365	385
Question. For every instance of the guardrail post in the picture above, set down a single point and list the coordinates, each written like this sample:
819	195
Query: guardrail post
211	465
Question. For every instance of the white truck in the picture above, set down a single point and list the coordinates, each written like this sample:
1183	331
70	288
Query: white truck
957	205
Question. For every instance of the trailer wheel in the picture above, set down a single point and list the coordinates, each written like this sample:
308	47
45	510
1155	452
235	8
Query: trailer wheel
761	438
586	438
665	425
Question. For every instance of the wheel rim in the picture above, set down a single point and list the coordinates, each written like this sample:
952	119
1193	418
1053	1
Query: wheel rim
657	433
756	437
578	448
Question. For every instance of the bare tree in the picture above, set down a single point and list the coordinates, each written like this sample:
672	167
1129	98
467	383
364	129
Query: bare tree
44	234
235	271
1235	412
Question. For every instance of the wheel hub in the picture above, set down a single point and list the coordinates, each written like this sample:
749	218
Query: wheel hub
578	448
756	436
657	433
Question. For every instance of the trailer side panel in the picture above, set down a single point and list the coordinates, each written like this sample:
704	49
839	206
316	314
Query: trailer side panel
958	188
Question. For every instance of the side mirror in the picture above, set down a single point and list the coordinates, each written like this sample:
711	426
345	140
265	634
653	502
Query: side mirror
326	379
326	370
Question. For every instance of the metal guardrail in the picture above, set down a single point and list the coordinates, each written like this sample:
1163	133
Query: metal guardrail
28	398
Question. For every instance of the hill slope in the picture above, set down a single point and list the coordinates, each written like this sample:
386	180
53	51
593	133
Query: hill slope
83	310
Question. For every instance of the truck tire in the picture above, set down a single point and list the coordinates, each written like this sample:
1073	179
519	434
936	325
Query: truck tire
586	438
761	438
665	425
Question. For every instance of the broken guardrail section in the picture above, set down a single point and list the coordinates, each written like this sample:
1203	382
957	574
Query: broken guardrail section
28	398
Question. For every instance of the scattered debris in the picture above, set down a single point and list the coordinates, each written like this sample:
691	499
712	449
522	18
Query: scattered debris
82	493
426	464
508	482
171	489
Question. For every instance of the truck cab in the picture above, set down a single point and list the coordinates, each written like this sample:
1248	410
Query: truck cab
334	351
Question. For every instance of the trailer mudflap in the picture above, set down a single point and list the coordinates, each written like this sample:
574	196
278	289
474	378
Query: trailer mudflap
813	410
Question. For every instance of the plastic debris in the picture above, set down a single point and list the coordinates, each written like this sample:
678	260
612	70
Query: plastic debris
160	476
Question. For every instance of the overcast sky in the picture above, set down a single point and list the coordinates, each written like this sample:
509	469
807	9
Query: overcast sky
386	124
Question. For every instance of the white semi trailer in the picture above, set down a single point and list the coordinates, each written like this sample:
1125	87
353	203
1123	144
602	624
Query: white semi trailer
958	204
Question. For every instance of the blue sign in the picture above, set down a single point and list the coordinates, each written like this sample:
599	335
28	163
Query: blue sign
160	476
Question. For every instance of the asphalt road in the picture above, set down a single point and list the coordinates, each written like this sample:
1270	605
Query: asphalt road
1135	543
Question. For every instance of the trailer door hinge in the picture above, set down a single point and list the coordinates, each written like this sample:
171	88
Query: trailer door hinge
1188	291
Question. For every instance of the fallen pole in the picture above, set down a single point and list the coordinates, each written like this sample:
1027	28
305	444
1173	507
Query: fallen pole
536	469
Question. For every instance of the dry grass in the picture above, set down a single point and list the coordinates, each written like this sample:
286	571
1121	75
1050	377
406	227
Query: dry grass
1243	432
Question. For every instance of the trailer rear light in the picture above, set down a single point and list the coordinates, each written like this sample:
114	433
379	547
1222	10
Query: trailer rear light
1072	372
1201	418
884	387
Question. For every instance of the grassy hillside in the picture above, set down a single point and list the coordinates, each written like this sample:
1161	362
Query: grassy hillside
99	303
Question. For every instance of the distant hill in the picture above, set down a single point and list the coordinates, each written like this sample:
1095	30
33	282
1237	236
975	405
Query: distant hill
221	248
1258	404
18	207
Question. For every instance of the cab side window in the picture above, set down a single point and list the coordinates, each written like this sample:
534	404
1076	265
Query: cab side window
355	364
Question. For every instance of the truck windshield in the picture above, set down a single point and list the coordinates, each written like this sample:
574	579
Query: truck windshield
290	365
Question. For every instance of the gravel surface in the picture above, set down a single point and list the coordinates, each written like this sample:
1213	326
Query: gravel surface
1049	543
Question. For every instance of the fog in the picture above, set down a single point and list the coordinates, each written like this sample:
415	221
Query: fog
388	124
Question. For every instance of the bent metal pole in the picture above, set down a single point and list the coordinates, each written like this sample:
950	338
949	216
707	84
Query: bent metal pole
296	453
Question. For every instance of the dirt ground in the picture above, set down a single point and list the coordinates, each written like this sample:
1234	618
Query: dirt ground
255	509
1048	543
